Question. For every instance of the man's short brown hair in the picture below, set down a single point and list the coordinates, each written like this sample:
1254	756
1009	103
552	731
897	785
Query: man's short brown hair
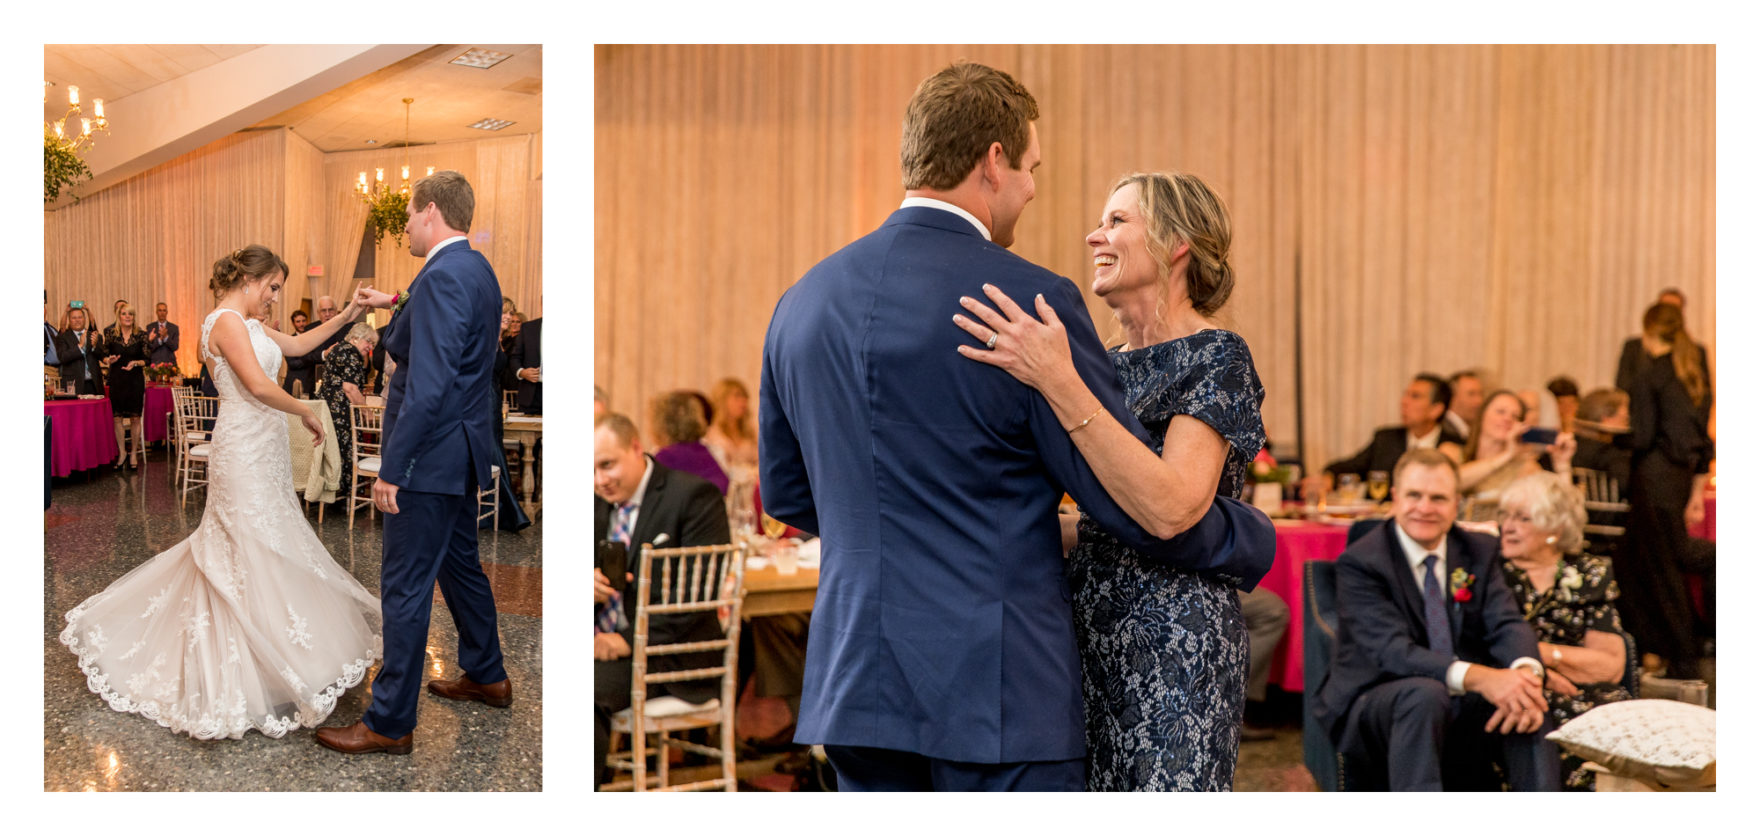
621	427
451	192
1601	404
1427	457
952	119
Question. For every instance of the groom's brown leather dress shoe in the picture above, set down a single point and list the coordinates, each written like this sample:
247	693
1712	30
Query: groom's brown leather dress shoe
359	740
498	694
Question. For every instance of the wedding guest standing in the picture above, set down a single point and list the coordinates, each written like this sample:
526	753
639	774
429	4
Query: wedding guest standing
125	354
80	348
302	368
526	359
161	338
50	356
1671	459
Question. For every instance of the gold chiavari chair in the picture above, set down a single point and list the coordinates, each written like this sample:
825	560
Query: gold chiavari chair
699	579
368	436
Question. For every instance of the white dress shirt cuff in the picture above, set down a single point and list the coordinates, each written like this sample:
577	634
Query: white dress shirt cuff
1457	673
1457	677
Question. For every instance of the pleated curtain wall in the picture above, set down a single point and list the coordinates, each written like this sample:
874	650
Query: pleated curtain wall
154	237
1510	207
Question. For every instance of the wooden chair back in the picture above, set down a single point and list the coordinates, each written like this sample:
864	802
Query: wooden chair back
698	579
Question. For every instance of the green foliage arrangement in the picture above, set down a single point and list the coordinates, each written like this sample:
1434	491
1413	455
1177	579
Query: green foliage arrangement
62	168
389	212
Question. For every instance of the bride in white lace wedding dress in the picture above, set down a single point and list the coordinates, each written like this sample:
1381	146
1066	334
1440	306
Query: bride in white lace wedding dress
248	623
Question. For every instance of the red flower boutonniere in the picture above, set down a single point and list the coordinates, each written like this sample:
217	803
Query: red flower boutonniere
1460	585
398	301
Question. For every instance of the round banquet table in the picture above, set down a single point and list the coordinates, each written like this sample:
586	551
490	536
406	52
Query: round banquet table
1297	543
82	435
154	407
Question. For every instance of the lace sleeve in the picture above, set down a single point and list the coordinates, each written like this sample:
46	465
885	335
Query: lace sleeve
1223	391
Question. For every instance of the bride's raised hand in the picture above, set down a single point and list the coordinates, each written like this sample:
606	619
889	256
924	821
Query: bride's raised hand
1036	352
315	426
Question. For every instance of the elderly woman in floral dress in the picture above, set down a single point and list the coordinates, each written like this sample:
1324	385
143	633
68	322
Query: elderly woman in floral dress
1568	596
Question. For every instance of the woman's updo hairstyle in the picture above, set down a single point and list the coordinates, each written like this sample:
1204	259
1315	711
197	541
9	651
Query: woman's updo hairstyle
1181	208
244	265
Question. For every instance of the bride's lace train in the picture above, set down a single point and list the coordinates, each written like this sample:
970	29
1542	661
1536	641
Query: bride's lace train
246	624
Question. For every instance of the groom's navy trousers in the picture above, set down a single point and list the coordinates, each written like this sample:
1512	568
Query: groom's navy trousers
434	536
439	442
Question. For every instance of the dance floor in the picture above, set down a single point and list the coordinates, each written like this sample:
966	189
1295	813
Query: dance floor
107	522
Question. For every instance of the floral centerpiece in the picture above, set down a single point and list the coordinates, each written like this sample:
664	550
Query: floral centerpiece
164	373
1281	474
1268	485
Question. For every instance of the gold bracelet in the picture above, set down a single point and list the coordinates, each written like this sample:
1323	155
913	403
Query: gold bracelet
1085	421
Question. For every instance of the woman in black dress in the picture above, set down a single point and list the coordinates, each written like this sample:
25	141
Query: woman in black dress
1671	457
1164	651
125	354
345	373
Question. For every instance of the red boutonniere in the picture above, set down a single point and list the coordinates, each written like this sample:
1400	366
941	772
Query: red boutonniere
1460	585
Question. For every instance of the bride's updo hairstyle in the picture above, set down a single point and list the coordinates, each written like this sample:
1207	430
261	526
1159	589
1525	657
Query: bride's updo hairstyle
1181	208
242	266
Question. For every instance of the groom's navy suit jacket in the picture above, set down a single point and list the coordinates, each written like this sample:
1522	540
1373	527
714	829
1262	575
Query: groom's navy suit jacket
437	426
942	624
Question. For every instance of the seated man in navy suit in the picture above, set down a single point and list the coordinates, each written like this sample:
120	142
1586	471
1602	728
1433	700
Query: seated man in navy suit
1436	671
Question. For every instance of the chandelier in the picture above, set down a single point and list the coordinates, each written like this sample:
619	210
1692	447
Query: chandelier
387	208
63	165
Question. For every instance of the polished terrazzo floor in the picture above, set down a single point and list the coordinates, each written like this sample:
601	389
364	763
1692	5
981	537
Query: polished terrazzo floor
104	523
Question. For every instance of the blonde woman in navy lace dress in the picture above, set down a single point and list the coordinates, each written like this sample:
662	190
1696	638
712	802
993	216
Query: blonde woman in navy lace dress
1164	652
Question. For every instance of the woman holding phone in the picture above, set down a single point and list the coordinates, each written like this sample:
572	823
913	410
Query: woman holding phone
1501	449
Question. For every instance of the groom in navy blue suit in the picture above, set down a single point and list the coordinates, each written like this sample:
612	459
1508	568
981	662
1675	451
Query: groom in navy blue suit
438	446
943	651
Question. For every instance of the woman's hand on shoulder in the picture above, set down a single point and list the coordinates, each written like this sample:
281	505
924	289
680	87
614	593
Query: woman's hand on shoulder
1034	351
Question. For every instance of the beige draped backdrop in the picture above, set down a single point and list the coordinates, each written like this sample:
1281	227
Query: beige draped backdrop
1513	207
155	236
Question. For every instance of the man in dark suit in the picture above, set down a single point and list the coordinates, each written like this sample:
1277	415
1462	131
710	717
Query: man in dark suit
161	337
1466	397
302	367
1604	425
1436	670
1420	425
526	360
438	446
639	500
942	654
81	350
51	357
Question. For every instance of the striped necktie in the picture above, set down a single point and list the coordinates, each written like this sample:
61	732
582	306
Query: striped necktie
610	617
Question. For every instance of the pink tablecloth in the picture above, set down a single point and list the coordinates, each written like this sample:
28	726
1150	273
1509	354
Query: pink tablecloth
154	408
82	435
1297	543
